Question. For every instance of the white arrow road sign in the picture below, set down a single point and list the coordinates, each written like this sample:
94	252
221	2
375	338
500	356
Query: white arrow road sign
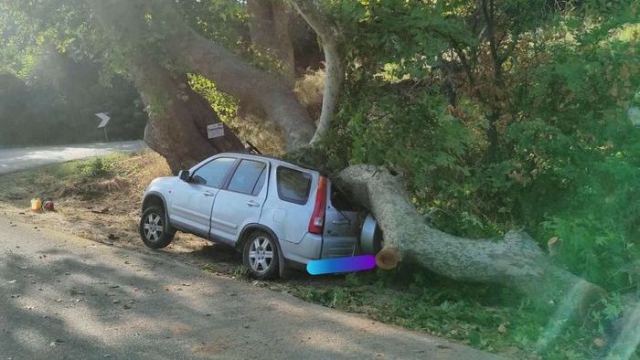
104	120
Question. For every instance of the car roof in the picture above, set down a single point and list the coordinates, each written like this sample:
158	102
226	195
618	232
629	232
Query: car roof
270	158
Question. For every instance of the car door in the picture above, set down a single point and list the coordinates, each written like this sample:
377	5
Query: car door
193	200
240	202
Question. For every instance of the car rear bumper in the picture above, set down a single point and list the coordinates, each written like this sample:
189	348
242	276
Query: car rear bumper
339	247
313	247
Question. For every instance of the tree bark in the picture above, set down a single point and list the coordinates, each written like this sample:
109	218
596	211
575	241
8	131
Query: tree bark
329	35
269	30
515	261
254	88
178	118
176	43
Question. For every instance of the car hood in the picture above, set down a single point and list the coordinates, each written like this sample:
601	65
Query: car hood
162	182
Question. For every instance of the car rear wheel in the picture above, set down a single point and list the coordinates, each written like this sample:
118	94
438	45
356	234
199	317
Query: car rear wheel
155	230
260	255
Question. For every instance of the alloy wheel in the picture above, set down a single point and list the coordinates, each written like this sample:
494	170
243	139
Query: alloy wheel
261	254
153	227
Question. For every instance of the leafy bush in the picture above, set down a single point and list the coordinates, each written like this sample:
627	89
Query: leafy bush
94	168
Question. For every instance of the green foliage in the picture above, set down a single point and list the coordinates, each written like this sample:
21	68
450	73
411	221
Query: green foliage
61	109
224	105
567	155
94	168
483	316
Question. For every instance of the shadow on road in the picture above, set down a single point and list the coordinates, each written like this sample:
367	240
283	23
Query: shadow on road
120	304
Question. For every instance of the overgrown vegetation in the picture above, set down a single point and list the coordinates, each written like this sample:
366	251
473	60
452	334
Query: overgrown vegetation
565	160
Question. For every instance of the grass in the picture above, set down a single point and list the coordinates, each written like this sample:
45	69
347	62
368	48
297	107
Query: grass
117	174
482	316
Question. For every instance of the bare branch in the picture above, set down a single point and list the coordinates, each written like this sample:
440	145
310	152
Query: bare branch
329	35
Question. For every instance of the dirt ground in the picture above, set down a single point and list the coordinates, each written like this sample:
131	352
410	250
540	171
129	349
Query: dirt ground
100	200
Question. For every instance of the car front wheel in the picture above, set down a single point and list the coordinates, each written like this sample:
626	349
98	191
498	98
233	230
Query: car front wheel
260	255
155	230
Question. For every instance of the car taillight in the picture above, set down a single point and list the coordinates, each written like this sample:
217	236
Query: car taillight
316	224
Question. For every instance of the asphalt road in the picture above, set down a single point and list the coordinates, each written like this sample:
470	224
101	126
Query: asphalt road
63	297
24	158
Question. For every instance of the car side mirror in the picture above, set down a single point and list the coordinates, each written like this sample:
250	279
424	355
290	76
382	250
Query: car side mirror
184	175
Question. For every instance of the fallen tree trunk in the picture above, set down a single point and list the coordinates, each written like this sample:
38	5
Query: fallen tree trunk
515	261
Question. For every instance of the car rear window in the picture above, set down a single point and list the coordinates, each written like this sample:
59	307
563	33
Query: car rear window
293	185
246	178
340	201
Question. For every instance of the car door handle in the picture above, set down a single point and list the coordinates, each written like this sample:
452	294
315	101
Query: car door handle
253	203
341	222
208	194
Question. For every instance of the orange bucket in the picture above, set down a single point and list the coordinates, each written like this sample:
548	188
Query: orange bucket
36	205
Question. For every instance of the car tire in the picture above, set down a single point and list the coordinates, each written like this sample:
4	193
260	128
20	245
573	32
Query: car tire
154	228
260	256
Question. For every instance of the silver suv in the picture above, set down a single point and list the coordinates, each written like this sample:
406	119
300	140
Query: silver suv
276	213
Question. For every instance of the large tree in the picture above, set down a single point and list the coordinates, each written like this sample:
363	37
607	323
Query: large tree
158	47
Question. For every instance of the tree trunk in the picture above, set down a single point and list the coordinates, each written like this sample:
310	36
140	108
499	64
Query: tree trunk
515	261
176	43
328	34
269	29
254	88
178	118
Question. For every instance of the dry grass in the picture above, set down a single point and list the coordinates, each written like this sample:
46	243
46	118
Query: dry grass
99	199
310	87
309	90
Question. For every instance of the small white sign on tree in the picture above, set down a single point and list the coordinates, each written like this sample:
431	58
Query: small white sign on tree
215	130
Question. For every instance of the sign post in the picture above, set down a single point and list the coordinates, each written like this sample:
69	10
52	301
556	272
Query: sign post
104	121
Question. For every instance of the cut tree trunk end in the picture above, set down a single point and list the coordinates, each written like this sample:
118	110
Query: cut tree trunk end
515	261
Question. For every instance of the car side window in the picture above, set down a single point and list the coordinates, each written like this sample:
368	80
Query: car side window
293	185
213	173
247	177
